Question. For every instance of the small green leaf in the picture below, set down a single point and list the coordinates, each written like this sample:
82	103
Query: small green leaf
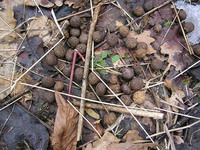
196	86
104	54
109	53
188	1
198	100
94	64
167	24
102	71
102	62
115	58
127	56
185	82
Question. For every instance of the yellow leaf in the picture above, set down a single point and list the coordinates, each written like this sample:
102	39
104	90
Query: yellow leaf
92	113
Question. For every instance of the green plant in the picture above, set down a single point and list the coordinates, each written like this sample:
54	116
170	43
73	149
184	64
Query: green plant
100	59
196	88
167	24
115	58
127	56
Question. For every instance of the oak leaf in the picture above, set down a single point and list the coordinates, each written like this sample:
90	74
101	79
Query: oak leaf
7	23
110	142
144	37
44	3
65	127
43	29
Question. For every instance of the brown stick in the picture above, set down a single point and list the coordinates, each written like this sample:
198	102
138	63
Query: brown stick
144	113
86	69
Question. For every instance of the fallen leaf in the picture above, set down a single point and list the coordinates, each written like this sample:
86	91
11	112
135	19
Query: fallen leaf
10	49
110	142
178	140
7	23
155	18
92	113
132	135
144	37
178	56
111	19
19	88
131	146
44	3
102	143
76	3
10	3
65	127
5	84
43	29
176	99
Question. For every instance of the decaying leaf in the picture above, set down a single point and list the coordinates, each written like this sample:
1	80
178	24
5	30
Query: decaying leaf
178	56
132	135
178	139
43	29
176	99
7	24
65	127
44	3
10	3
110	142
92	113
5	84
75	3
144	37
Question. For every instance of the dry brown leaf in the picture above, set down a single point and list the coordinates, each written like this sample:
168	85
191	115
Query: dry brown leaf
10	3
144	37
65	127
75	3
5	83
178	139
39	27
174	52
176	98
132	135
131	146
44	3
10	49
7	24
110	142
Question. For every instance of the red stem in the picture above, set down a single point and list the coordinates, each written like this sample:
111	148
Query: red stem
72	71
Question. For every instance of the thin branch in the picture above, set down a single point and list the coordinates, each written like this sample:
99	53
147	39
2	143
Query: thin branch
86	68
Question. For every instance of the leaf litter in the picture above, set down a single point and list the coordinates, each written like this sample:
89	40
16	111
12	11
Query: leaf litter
41	35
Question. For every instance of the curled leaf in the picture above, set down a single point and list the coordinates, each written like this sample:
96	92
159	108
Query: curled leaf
65	127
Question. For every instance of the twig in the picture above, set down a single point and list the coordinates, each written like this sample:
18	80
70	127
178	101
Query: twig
189	116
72	71
186	70
179	21
175	129
170	137
40	10
143	113
78	13
112	71
125	13
98	97
36	63
124	106
30	113
7	120
86	68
